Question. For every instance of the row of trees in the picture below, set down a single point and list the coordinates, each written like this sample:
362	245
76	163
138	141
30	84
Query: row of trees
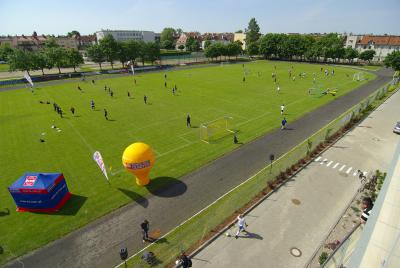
393	60
215	50
109	50
51	55
303	47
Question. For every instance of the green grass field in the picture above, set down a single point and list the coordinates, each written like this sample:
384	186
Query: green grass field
204	93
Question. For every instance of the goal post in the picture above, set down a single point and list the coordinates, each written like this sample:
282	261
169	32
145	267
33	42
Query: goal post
216	129
359	76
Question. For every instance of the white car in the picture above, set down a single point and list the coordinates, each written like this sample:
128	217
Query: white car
397	128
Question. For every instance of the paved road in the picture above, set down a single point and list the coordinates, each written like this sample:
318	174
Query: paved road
98	243
302	213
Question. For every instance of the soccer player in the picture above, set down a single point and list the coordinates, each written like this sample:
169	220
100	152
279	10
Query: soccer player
79	88
129	94
134	81
165	76
278	89
92	104
105	114
111	93
188	124
93	81
244	79
284	122
165	84
145	99
72	110
282	108
235	139
241	225
173	91
105	87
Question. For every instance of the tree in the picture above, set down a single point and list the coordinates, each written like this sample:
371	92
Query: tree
367	55
74	58
72	33
192	44
51	42
57	56
20	60
350	54
253	49
393	60
252	32
269	45
213	51
167	44
207	43
96	53
239	31
152	51
122	53
132	50
181	47
110	49
168	34
40	61
5	51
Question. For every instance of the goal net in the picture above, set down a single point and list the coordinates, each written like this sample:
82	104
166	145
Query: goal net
358	77
216	129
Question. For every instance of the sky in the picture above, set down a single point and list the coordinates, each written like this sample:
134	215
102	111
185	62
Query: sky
278	16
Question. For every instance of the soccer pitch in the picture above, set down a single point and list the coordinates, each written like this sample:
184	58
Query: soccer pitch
205	93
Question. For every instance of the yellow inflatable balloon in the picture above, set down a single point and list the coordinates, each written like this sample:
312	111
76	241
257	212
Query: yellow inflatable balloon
138	159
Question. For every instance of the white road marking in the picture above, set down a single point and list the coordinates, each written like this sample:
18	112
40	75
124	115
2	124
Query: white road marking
323	161
330	163
316	160
337	164
348	171
342	167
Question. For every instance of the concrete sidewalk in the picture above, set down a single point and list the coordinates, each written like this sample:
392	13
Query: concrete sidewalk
301	213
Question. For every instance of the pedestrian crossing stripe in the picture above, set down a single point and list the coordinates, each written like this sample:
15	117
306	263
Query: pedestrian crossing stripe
335	165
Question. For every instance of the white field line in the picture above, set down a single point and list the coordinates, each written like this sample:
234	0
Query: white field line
219	198
348	171
316	160
342	167
330	163
323	161
355	173
335	165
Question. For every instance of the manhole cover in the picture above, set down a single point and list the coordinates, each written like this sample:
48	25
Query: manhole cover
296	201
295	252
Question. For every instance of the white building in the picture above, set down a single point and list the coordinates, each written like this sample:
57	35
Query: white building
146	36
382	44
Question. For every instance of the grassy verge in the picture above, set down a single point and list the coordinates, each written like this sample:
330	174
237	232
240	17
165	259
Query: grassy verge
202	225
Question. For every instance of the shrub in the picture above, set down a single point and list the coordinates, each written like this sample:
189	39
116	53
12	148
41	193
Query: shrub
323	257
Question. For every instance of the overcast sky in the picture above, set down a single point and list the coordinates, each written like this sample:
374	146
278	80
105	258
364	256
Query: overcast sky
287	16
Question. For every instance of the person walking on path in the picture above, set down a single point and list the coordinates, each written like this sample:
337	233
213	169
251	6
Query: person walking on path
284	122
282	108
241	225
188	124
145	225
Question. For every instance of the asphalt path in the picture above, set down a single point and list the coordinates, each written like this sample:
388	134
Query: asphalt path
98	243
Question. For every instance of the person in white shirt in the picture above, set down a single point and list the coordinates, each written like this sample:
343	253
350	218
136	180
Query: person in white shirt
241	224
282	108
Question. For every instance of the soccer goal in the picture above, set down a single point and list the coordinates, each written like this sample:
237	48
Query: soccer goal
216	129
359	76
